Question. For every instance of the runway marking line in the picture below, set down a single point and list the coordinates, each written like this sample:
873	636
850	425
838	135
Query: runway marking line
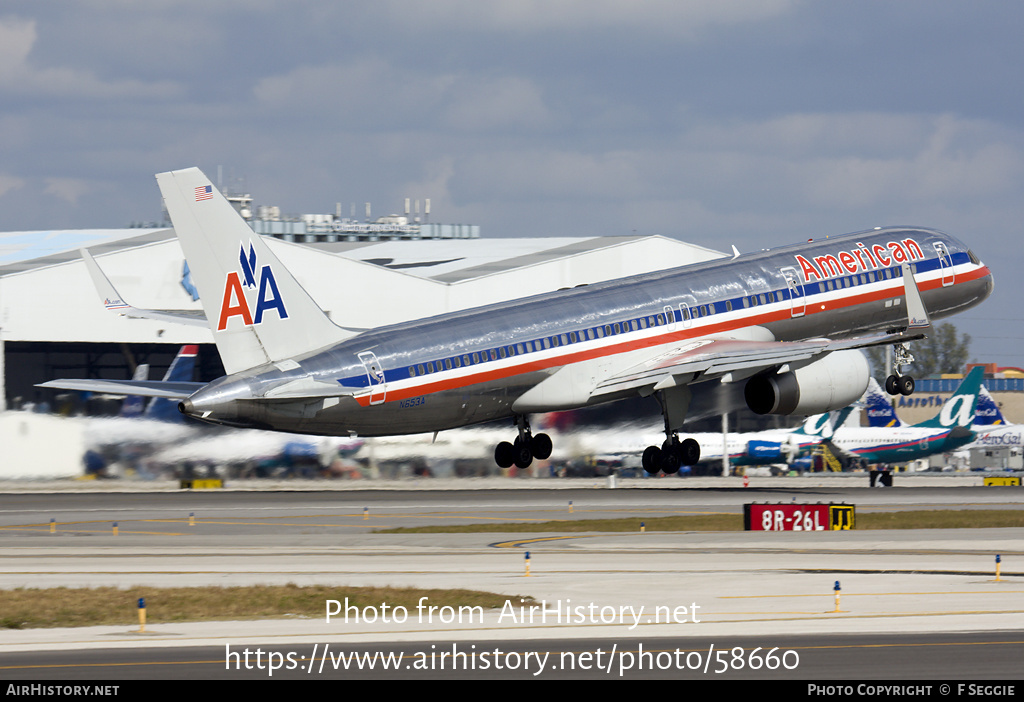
121	531
229	523
875	594
567	649
846	615
539	539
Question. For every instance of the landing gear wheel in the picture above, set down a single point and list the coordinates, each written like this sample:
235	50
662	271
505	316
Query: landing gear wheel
540	446
892	385
906	385
504	454
671	456
690	451
651	460
522	456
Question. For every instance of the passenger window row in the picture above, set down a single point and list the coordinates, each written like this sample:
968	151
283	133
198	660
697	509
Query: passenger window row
683	314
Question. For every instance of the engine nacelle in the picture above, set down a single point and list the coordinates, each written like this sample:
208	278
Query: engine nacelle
832	382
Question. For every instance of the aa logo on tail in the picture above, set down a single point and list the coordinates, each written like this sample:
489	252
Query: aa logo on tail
236	304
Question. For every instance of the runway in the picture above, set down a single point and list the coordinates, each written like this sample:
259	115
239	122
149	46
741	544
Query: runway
671	590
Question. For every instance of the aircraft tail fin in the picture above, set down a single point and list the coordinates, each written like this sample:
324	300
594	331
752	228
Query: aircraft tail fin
180	370
959	409
879	407
823	425
133	405
257	311
987	413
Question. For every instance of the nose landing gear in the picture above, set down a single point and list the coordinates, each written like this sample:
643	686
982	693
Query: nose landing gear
897	384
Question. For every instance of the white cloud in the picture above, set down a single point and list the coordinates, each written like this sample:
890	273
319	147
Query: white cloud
16	40
9	183
434	185
672	17
853	170
482	104
67	189
368	85
373	92
18	75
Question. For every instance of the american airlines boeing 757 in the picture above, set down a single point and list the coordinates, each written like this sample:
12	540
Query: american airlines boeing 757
778	330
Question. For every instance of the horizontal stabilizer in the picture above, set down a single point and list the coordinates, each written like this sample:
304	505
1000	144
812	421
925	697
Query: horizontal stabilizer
145	388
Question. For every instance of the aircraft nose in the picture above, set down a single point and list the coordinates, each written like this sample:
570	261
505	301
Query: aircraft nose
185	407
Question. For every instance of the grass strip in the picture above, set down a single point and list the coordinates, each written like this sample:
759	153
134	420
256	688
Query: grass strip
31	608
916	519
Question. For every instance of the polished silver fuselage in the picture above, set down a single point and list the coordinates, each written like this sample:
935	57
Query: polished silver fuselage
471	366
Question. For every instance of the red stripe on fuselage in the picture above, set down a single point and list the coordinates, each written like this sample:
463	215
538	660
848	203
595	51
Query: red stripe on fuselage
476	378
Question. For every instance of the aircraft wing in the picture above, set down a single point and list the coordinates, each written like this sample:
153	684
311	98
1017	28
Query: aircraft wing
117	304
145	388
710	358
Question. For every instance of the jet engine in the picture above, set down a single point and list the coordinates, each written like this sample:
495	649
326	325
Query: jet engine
834	381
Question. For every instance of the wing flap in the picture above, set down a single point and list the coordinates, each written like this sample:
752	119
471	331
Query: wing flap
706	359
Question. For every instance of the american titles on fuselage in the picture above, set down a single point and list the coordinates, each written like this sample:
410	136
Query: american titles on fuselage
860	260
683	315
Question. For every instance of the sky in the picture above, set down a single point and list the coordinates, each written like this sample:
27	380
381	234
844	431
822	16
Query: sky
749	122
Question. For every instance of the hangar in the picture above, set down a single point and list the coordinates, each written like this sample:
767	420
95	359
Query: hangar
53	323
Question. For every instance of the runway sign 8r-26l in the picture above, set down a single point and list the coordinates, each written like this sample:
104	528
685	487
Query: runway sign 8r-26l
795	517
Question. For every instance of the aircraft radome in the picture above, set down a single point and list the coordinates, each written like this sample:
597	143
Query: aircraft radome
778	330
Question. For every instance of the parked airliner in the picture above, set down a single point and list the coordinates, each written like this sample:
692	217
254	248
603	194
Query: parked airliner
760	448
778	329
949	430
991	427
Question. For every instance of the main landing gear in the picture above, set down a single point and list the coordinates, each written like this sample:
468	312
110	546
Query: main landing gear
897	384
671	456
673	453
526	447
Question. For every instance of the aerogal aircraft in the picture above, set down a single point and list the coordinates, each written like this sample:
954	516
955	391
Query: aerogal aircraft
778	330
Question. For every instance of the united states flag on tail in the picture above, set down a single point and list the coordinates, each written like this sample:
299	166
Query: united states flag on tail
204	192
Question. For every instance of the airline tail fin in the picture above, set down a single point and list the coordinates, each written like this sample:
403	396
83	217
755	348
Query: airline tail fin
879	407
959	409
257	311
180	370
132	405
823	425
987	413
